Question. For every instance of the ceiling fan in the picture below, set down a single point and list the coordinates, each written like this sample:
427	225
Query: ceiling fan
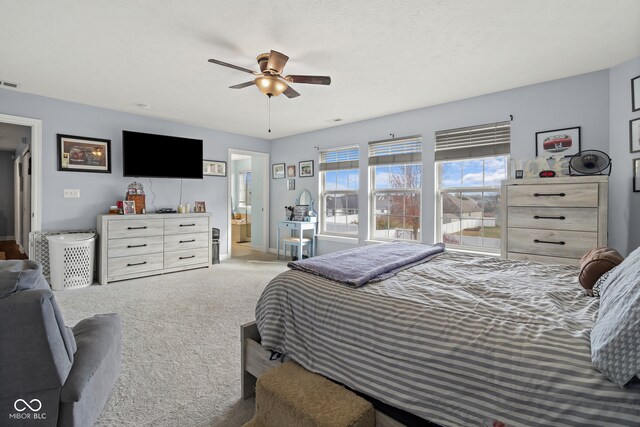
270	80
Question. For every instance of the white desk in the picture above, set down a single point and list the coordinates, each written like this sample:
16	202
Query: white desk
299	227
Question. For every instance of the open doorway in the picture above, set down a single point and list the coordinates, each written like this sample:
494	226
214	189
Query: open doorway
20	183
248	203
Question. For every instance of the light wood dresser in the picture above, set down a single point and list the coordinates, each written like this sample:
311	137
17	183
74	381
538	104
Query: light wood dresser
553	220
132	246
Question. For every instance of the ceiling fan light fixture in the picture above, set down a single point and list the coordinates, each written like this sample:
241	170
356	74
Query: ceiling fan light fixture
270	85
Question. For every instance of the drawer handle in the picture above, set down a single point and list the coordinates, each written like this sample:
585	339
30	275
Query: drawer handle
549	194
547	241
136	263
187	225
561	217
137	246
187	241
137	228
187	257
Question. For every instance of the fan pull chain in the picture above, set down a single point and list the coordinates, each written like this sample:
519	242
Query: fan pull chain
269	108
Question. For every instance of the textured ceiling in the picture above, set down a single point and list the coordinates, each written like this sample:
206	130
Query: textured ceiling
383	56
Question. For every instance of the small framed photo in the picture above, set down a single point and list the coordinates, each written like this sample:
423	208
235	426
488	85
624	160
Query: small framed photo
291	171
291	184
636	175
128	207
214	168
82	154
635	93
558	141
519	173
199	207
634	135
277	170
305	168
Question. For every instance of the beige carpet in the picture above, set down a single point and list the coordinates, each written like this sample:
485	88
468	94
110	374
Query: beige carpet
181	342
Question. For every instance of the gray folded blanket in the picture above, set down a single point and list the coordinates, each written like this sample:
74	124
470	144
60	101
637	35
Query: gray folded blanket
371	263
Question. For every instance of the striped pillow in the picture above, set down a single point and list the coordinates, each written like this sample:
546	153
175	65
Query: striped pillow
615	337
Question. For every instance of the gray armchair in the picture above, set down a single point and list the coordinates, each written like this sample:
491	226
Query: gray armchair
51	375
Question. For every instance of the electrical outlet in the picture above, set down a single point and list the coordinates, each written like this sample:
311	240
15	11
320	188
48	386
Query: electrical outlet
72	193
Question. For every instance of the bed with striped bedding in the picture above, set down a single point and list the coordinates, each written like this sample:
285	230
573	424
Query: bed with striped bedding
460	340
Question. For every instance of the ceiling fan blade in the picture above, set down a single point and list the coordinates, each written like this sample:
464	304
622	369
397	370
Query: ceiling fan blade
235	67
290	93
314	80
241	85
277	61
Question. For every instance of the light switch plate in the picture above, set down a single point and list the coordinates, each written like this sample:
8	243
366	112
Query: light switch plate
71	193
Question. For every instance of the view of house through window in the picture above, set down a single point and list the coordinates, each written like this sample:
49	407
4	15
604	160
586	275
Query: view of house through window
470	163
469	192
339	186
396	188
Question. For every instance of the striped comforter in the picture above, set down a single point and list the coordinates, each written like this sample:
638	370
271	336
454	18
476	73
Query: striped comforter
459	340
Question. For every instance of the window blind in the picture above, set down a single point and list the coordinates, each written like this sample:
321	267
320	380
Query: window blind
339	159
492	139
396	151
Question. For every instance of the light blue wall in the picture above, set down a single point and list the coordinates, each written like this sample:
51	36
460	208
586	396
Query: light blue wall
576	101
98	190
6	194
624	204
582	100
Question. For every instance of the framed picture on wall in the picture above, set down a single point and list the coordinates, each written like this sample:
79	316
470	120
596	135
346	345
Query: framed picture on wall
636	175
291	171
214	168
277	170
82	154
634	135
305	168
291	184
635	93
558	141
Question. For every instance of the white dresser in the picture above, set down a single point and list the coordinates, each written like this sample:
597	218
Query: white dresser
553	220
132	246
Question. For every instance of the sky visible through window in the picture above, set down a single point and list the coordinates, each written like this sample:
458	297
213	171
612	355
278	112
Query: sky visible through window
342	180
474	172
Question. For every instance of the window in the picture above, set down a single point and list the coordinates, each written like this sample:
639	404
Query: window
470	163
339	186
396	181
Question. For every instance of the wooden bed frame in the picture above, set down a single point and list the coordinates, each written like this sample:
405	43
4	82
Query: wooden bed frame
255	362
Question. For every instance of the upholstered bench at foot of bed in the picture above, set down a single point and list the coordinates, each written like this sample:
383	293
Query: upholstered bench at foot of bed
289	395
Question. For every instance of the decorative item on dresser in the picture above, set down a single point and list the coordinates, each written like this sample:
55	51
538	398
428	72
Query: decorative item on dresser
553	220
152	244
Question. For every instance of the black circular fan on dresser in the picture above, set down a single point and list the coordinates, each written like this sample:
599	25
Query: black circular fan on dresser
590	162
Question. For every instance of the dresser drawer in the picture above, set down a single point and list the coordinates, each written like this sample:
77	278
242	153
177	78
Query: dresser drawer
176	242
543	259
135	228
186	257
291	225
135	246
565	244
186	225
571	219
560	195
134	264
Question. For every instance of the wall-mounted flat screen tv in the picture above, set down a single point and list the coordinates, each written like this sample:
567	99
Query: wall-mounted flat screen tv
161	156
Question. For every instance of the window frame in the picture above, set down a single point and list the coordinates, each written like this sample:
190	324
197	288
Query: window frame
322	193
372	202
475	189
